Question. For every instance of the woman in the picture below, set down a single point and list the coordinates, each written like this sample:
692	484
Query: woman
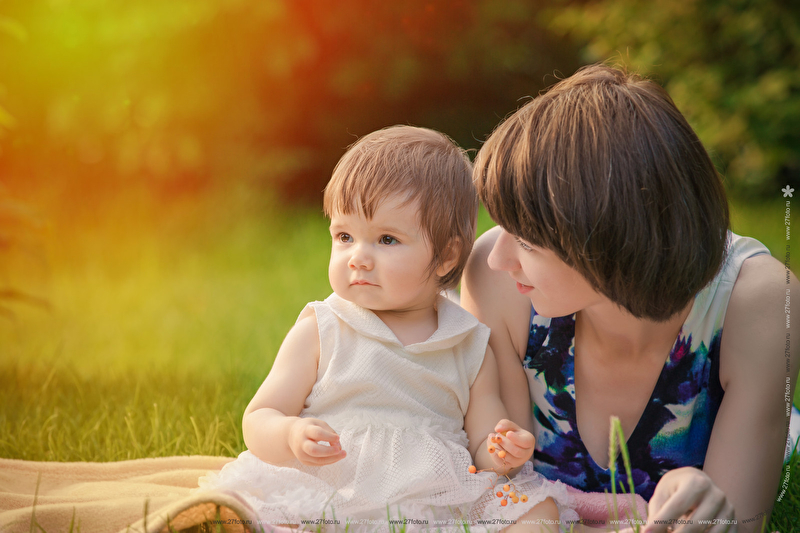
606	287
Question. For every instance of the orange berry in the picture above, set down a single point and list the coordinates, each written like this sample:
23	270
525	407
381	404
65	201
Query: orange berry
472	469
506	488
501	454
491	449
499	494
512	494
504	502
523	498
515	499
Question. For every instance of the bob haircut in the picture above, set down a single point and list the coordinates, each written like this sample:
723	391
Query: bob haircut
604	170
423	166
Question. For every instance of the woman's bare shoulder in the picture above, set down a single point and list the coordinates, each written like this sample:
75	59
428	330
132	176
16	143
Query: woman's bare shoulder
480	280
477	267
758	320
492	296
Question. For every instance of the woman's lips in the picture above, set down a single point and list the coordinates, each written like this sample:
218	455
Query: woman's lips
523	288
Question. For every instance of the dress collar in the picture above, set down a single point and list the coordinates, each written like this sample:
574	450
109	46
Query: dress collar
454	324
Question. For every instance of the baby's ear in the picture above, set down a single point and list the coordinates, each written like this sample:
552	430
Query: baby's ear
449	257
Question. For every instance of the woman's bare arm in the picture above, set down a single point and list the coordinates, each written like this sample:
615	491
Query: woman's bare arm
749	437
493	298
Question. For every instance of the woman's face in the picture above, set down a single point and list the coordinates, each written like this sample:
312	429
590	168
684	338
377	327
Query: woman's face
554	288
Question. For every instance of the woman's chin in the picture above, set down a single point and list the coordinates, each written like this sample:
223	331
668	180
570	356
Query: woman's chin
549	309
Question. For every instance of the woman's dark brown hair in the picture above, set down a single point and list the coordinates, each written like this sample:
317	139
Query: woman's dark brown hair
605	171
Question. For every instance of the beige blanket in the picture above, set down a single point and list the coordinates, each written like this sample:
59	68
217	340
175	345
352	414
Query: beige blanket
155	496
144	495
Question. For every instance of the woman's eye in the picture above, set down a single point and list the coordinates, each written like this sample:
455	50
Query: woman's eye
344	237
387	239
523	245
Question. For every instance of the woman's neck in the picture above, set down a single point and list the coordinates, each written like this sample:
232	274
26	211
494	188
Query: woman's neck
612	332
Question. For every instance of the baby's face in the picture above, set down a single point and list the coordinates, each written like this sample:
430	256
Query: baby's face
382	264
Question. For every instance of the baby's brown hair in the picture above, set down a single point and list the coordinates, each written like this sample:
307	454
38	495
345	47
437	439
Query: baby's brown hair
419	165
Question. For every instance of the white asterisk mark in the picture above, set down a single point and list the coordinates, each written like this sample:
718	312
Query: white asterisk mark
787	191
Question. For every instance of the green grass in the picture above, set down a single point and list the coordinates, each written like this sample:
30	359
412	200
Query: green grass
154	324
763	220
165	317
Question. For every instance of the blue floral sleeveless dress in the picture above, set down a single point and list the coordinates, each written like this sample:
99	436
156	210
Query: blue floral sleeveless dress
676	424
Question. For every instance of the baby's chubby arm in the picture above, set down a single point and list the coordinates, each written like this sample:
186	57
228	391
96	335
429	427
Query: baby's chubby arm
272	430
481	424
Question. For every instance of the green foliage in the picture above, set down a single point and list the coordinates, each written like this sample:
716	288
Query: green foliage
181	94
730	66
9	28
763	220
786	512
21	255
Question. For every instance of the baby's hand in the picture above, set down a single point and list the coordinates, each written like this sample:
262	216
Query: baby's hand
304	440
511	446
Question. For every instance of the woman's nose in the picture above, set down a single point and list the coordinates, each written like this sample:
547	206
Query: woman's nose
502	256
360	258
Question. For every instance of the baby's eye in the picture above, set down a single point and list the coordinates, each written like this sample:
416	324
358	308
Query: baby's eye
344	237
388	240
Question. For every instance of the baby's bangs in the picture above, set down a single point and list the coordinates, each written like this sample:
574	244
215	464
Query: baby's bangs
349	192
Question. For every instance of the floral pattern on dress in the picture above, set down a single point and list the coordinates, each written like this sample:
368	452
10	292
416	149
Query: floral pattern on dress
673	431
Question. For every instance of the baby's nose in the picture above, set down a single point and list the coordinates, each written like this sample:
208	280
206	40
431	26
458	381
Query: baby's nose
361	258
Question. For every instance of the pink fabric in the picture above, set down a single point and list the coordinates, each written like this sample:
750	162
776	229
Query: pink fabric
596	508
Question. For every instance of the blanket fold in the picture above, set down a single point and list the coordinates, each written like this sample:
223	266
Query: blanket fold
142	496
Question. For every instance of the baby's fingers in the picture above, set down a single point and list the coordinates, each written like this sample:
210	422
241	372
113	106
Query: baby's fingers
506	425
521	439
507	452
510	446
518	443
323	433
314	454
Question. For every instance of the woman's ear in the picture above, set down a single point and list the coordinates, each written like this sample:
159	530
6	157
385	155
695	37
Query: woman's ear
449	257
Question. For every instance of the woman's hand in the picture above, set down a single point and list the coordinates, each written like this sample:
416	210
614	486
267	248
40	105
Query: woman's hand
305	436
683	498
510	447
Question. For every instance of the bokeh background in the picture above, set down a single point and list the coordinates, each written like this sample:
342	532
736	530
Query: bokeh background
162	162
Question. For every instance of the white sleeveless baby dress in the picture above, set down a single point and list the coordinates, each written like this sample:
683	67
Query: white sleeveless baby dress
399	411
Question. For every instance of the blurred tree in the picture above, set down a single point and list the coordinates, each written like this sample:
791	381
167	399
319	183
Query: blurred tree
184	94
18	224
730	66
9	28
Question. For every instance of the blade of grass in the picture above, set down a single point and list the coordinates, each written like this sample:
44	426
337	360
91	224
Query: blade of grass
617	426
612	464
